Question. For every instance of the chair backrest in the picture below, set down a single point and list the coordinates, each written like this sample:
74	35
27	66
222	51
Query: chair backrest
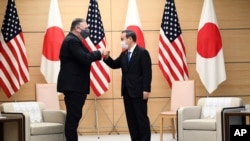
47	93
182	94
211	104
33	108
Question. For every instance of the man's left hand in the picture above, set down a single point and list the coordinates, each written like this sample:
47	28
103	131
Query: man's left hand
145	95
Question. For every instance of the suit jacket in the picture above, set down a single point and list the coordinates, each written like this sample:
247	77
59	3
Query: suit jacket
75	66
136	74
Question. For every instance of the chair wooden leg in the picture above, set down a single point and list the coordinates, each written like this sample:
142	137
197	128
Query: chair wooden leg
173	128
161	128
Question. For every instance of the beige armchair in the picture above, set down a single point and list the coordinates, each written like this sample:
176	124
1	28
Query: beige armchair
40	124
204	121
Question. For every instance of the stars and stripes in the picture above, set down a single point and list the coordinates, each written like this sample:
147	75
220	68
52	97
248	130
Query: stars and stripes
13	59
172	56
99	70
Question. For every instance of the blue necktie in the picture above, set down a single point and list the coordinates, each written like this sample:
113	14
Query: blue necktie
129	56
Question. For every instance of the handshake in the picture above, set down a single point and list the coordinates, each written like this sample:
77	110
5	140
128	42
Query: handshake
104	52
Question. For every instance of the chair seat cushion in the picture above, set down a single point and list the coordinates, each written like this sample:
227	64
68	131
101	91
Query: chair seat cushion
45	128
199	124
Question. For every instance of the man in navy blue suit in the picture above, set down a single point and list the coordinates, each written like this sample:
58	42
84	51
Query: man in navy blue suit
135	63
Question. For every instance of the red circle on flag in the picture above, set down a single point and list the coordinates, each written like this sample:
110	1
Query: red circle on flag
209	41
139	35
52	43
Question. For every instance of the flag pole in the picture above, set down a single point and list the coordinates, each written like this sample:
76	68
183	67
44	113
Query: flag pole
207	94
15	97
96	119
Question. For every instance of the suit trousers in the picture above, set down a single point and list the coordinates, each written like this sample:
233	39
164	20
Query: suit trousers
74	102
137	118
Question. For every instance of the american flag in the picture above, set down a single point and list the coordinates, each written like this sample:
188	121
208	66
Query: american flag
13	59
99	70
172	55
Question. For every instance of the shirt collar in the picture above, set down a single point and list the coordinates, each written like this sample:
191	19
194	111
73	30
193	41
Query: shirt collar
132	49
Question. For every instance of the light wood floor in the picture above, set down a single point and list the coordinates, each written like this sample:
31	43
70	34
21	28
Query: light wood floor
122	137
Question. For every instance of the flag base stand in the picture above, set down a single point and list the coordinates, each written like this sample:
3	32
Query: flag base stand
96	119
155	120
114	129
96	122
94	105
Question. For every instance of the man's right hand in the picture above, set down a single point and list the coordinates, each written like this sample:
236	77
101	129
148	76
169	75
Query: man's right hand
105	53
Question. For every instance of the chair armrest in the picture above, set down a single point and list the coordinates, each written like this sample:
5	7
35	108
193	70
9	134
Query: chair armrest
220	119
184	112
27	125
57	116
26	120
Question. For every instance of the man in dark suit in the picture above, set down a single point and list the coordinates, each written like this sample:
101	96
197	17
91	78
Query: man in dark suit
135	63
74	76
